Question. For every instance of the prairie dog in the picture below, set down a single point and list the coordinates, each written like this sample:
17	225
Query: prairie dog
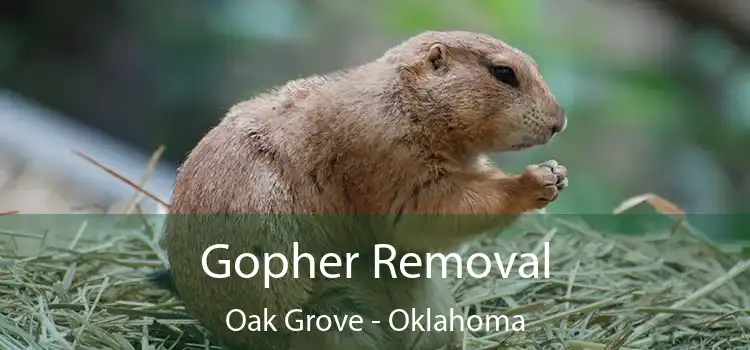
404	135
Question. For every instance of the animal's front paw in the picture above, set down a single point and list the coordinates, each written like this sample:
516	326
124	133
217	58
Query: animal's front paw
542	183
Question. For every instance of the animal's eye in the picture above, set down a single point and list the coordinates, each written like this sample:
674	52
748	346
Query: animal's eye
505	75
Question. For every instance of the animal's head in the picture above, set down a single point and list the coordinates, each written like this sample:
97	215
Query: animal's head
478	91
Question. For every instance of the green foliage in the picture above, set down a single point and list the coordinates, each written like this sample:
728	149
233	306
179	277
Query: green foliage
399	17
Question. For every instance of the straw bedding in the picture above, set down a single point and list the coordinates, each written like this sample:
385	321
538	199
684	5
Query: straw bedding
668	290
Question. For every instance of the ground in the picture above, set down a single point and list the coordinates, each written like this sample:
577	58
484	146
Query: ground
663	290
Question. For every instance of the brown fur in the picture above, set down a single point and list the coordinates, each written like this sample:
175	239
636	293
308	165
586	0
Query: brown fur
405	134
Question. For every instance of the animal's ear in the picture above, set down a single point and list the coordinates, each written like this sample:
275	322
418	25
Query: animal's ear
436	57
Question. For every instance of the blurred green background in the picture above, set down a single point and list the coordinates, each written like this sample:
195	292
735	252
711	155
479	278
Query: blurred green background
657	92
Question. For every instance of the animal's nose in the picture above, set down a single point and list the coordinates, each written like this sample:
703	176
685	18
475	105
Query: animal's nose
562	122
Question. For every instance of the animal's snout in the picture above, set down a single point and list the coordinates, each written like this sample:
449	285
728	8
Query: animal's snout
561	121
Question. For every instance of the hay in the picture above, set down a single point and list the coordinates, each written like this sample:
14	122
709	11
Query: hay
671	290
664	291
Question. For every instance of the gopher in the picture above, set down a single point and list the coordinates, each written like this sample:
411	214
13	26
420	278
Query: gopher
390	152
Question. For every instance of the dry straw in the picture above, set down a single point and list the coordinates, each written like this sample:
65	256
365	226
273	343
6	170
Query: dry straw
668	290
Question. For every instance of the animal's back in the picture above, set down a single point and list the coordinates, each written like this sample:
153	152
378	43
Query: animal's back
224	176
249	183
